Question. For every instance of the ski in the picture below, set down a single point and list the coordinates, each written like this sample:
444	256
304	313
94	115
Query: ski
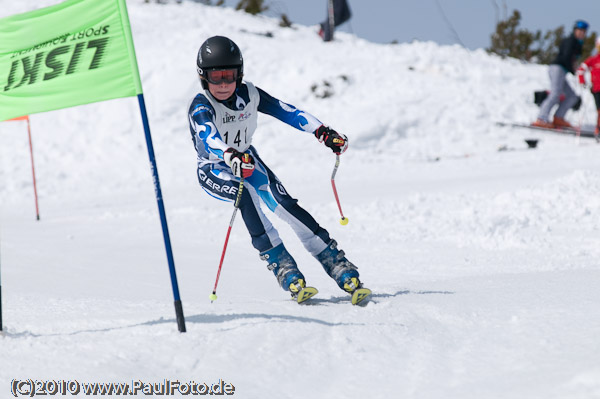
572	132
360	295
305	293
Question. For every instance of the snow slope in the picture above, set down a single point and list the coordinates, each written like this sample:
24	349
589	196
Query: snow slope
484	263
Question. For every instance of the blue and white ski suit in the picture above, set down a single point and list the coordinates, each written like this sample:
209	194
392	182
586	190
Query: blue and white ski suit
218	125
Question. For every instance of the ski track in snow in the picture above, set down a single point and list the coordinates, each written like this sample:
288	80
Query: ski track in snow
483	263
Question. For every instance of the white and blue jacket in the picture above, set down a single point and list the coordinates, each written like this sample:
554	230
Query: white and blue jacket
217	125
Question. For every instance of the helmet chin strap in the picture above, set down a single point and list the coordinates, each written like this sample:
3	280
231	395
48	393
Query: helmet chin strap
203	82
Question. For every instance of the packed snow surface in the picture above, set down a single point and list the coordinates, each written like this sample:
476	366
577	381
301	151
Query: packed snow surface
482	254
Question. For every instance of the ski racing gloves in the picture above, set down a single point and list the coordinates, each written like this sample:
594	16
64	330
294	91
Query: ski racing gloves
241	164
332	139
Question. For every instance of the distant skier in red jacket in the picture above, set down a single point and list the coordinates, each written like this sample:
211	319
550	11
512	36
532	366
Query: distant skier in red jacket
592	64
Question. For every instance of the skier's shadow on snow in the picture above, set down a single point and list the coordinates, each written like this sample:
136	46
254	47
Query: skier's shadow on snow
408	292
221	319
196	319
374	298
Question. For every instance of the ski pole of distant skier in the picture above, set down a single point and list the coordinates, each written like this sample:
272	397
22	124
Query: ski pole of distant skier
343	220
582	110
213	296
580	125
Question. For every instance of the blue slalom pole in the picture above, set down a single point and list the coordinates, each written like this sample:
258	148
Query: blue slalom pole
163	216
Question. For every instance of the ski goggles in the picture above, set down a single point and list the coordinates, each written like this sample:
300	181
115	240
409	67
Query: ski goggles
218	76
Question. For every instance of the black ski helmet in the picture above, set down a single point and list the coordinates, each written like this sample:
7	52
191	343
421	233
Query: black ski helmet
219	52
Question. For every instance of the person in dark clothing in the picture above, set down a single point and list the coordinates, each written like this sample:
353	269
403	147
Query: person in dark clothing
565	62
338	12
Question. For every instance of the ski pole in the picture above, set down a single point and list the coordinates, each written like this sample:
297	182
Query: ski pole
213	296
581	114
343	220
582	109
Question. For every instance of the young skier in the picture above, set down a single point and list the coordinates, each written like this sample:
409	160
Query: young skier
593	65
222	122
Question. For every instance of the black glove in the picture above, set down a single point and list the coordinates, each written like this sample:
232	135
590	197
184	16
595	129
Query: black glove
241	164
332	139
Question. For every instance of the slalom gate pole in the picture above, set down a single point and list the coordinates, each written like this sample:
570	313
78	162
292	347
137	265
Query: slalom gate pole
163	217
343	220
236	206
26	118
331	18
37	208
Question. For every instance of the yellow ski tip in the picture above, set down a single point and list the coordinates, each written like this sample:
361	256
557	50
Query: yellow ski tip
306	293
359	295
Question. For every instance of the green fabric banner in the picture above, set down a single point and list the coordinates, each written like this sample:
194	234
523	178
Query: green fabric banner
76	52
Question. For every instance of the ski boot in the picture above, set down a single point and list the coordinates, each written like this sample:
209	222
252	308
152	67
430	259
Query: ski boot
343	272
281	263
543	124
561	123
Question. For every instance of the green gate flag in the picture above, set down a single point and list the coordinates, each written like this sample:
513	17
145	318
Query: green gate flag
76	52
